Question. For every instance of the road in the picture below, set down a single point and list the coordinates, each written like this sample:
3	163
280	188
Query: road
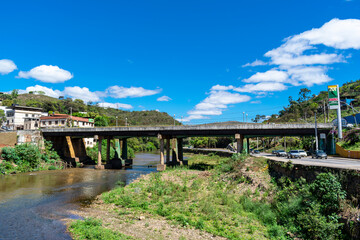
333	162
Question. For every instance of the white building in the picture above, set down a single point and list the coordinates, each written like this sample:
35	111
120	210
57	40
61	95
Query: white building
16	115
64	120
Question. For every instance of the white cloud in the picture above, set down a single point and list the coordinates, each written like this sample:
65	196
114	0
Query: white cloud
47	73
81	93
256	102
309	75
132	92
339	34
255	63
37	88
115	105
193	117
269	76
221	88
164	99
262	87
7	66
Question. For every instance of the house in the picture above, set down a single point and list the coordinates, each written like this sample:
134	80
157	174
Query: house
64	120
16	115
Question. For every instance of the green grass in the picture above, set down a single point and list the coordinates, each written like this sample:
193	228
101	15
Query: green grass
206	203
355	147
92	229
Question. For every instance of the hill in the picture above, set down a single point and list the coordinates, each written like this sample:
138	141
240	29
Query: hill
304	108
92	110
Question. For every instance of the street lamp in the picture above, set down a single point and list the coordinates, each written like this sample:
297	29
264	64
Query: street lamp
70	116
174	119
116	120
125	122
243	116
246	117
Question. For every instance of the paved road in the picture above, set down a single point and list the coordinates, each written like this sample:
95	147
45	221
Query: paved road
333	162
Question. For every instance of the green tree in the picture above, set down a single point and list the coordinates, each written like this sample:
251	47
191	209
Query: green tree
14	94
101	121
2	117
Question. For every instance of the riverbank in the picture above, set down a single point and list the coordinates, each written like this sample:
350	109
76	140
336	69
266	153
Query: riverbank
228	198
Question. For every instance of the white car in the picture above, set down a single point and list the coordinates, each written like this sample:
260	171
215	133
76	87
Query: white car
302	153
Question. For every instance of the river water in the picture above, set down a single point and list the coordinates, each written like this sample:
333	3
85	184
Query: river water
33	204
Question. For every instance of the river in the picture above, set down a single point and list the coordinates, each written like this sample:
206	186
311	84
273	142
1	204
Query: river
32	205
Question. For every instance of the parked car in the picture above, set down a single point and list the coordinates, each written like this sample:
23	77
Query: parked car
294	154
256	151
274	152
319	154
303	153
281	153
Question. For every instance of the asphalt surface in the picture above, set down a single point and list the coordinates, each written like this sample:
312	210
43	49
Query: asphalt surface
331	161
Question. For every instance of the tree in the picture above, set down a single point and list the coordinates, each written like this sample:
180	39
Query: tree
14	94
304	95
258	118
101	121
2	117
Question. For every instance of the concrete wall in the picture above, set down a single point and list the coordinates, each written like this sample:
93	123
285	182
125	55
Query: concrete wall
347	153
28	136
8	139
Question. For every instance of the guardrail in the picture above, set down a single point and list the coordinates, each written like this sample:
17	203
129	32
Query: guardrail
347	153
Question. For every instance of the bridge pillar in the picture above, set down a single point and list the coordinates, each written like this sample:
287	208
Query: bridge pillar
124	152
108	149
239	142
117	148
248	145
167	149
161	166
180	150
99	165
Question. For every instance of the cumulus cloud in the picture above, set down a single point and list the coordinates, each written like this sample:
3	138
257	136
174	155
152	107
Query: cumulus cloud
262	87
269	76
41	89
115	105
81	93
47	73
255	63
305	67
132	92
164	99
7	66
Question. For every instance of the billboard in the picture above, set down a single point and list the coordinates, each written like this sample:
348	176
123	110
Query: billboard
334	98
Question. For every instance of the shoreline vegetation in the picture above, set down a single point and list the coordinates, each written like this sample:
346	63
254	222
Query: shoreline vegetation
219	198
29	158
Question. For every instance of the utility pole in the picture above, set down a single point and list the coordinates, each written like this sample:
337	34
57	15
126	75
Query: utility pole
324	111
70	116
174	119
257	143
316	136
243	116
246	117
125	122
116	120
181	119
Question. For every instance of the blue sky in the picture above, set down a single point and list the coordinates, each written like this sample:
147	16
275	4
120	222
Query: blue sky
207	61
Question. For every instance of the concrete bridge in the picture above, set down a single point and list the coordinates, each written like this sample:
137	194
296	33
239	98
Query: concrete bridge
70	139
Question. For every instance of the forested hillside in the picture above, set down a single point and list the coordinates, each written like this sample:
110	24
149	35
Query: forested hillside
303	108
102	116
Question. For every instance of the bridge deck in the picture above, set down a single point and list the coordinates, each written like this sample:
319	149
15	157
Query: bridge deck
199	130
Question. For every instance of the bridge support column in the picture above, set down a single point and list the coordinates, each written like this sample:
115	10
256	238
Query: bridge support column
161	166
124	152
99	165
248	145
117	149
167	150
108	149
239	142
180	150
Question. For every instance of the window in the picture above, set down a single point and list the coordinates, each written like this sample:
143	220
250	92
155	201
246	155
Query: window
26	115
62	122
43	123
33	115
49	122
56	122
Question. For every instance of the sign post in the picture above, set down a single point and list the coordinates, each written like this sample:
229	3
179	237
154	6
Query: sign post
334	103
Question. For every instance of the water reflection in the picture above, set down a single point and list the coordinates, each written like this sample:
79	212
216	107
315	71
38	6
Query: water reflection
32	204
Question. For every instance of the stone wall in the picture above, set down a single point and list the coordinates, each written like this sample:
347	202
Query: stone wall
29	136
8	139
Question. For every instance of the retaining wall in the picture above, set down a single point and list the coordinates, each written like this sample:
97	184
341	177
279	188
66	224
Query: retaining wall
347	153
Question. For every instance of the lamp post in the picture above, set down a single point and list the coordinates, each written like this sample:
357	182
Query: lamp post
174	119
70	116
246	117
125	122
116	120
316	136
243	116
